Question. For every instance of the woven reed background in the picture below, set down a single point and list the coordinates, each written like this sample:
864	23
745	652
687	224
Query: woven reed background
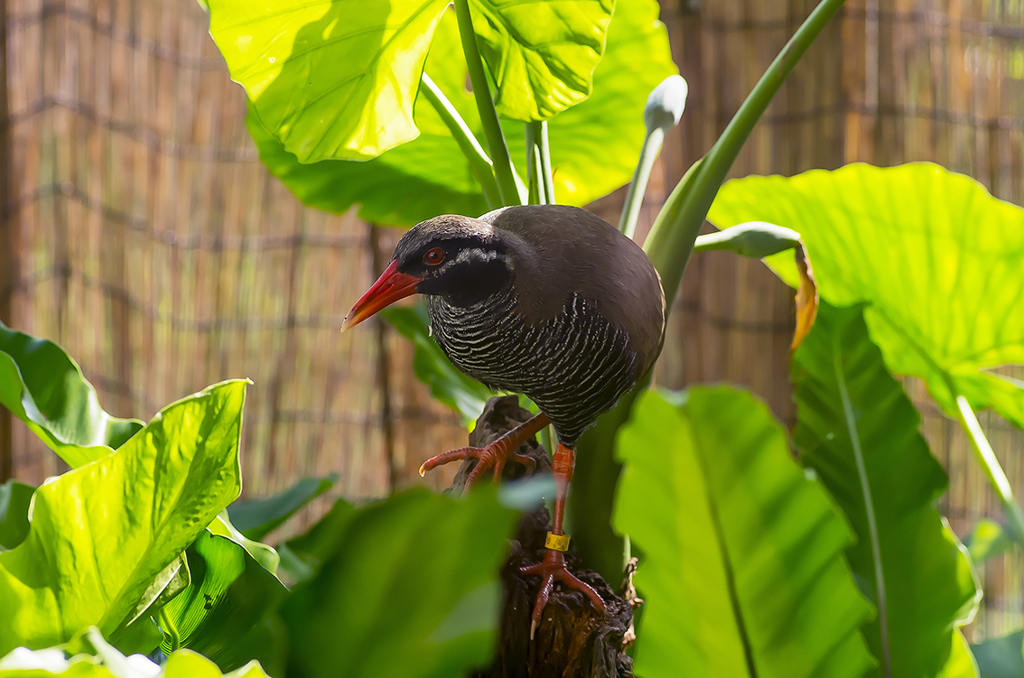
140	231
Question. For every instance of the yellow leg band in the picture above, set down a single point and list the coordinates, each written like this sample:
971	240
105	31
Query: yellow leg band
557	542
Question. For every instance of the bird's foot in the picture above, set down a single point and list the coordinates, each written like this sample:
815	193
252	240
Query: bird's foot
493	456
552	569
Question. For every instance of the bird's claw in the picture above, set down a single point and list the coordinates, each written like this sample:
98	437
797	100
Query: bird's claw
550	570
492	456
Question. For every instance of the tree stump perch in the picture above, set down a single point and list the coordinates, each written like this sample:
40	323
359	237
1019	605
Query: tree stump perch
573	640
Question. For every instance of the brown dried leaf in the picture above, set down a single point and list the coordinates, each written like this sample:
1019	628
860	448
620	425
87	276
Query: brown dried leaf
806	297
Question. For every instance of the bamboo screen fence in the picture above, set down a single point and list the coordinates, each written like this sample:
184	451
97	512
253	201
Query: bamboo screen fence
140	231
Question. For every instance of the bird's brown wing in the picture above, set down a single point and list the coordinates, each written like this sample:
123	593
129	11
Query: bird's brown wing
566	250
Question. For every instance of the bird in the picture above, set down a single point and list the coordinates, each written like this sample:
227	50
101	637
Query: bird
549	301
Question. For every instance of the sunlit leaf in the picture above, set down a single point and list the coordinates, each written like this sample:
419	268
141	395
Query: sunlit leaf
188	664
41	385
405	185
541	54
93	657
404	588
162	588
100	534
595	145
264	554
430	176
25	663
329	78
858	430
743	573
960	663
937	258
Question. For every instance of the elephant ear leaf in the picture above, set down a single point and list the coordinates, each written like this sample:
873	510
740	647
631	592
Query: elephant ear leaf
609	124
431	170
329	78
102	534
542	54
41	385
936	258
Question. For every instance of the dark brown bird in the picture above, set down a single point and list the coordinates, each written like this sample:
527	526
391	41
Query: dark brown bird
546	300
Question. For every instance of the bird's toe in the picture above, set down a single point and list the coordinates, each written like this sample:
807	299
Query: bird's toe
552	569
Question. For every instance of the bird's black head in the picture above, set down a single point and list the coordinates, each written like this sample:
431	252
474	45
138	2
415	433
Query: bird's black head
458	258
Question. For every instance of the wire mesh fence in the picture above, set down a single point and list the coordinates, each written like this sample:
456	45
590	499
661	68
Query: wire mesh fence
141	232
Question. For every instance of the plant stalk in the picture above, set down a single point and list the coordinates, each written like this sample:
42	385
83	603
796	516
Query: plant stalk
479	163
534	167
170	629
669	246
638	186
996	476
671	239
547	438
504	172
538	160
545	162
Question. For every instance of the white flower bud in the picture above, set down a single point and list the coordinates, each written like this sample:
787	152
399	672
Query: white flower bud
665	104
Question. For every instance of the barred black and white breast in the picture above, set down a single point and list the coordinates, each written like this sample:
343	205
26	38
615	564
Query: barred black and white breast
549	301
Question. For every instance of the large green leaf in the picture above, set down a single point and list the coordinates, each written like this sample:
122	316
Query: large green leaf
337	79
858	430
541	54
1001	657
329	78
258	517
226	612
93	657
961	663
430	176
937	257
101	534
14	504
405	185
743	572
264	554
403	588
596	144
44	387
447	384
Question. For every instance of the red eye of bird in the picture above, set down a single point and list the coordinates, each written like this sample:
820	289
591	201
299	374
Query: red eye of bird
434	257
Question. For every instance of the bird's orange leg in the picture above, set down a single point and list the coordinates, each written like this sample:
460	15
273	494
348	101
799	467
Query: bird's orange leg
552	568
494	455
